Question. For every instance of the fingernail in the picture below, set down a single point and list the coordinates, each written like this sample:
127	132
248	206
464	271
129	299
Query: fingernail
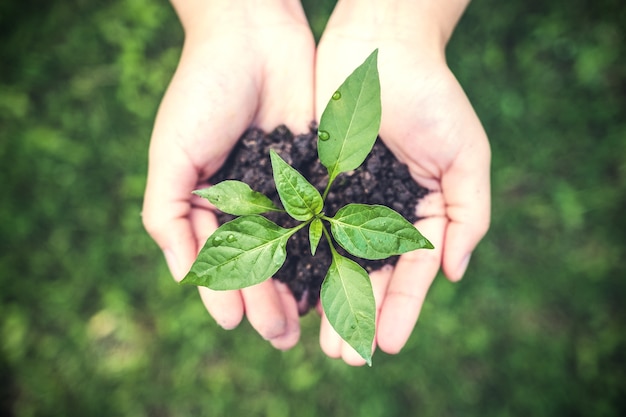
463	265
172	264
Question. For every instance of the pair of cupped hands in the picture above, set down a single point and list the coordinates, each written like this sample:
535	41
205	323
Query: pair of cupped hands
242	68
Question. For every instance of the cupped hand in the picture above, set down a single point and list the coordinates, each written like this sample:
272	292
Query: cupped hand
430	125
239	68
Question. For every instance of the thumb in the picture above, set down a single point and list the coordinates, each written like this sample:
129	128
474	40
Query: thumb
166	212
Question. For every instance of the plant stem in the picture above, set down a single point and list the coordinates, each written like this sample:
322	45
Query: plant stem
333	251
330	181
295	229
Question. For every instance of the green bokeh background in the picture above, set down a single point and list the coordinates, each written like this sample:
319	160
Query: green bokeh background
91	323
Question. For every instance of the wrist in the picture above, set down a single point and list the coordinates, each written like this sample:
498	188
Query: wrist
203	18
426	24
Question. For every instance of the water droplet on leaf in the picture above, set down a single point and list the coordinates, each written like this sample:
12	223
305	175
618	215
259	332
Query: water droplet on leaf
217	240
323	135
231	238
337	95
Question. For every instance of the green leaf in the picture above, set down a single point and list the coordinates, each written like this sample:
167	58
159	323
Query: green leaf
301	200
315	234
237	198
350	122
375	232
243	252
349	305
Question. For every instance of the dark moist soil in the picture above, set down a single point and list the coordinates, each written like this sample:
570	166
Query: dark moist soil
380	180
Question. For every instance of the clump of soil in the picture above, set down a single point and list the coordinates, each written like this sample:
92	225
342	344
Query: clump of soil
380	180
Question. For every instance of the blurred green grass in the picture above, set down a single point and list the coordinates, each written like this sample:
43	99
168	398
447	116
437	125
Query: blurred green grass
92	325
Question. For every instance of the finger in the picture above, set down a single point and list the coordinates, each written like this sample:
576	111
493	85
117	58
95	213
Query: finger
350	356
290	307
330	341
265	312
203	222
411	279
466	188
226	307
380	281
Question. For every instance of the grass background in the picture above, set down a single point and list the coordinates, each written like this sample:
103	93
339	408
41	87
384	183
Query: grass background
92	325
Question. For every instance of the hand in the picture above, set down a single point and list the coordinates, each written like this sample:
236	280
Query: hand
429	124
240	66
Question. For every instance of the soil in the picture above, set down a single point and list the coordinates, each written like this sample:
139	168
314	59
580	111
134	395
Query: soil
380	180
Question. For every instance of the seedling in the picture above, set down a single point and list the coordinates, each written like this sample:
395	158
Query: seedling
250	249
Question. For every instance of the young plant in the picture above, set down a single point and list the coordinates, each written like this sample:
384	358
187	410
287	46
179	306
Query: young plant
250	249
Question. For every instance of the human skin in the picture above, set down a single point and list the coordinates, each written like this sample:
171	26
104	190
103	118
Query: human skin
429	124
245	63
